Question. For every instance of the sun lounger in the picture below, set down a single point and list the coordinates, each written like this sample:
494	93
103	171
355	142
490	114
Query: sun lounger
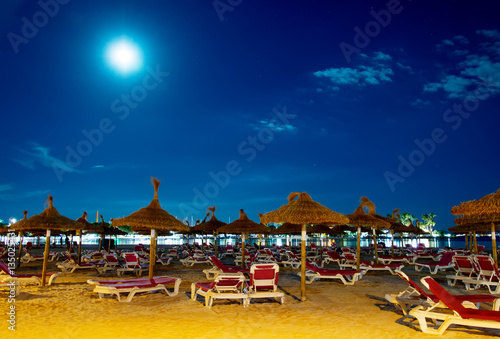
111	264
25	278
332	256
132	264
387	259
465	270
457	314
368	266
348	277
223	287
414	295
488	274
191	261
264	282
219	268
70	265
444	263
28	257
133	286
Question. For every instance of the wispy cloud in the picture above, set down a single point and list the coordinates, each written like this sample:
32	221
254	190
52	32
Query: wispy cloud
5	193
6	187
456	40
490	33
376	73
39	154
480	69
381	56
274	126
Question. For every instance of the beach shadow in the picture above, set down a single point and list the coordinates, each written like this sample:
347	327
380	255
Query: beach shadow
384	305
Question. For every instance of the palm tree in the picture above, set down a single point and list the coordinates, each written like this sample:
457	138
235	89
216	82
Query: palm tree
428	222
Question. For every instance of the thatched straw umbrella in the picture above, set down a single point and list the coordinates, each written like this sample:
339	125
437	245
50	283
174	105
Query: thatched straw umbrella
210	226
105	229
20	224
152	217
243	226
371	211
88	227
482	211
360	218
398	227
49	219
301	209
481	223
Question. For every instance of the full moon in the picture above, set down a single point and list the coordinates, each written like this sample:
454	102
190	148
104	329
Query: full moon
124	56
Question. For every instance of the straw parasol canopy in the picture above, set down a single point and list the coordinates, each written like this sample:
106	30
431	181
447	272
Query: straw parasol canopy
243	226
210	226
483	211
48	220
152	217
488	204
86	226
478	219
287	228
301	209
360	218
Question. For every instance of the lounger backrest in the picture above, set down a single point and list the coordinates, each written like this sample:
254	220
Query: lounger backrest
264	277
224	283
446	259
464	265
131	259
443	295
218	263
334	255
349	256
487	267
112	259
412	284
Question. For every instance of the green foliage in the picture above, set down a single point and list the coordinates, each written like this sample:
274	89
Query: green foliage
407	218
428	222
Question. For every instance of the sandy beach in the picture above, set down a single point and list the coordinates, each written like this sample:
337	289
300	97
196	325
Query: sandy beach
70	309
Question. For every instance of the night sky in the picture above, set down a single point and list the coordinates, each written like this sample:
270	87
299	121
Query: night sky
238	103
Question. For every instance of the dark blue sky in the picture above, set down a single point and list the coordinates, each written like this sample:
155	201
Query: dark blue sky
397	101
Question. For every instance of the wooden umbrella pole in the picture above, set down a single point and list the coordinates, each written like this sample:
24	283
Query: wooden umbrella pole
475	242
109	244
70	244
152	253
375	245
494	244
466	242
358	248
303	263
45	257
392	244
242	250
215	244
21	236
79	232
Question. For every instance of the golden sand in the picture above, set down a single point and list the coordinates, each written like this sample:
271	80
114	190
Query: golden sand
70	309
